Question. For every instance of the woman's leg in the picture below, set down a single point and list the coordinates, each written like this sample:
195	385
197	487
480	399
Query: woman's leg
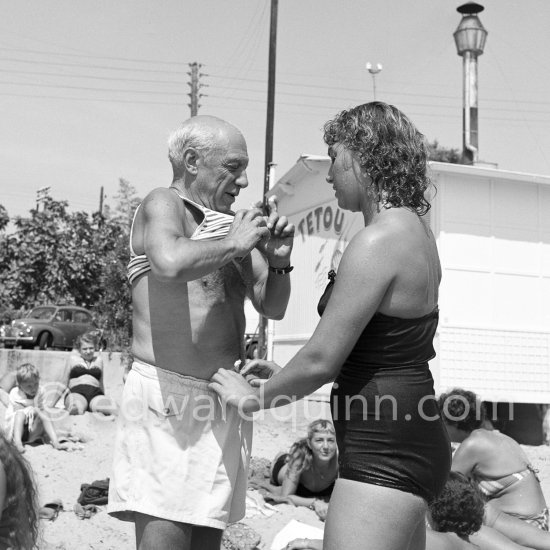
362	515
76	403
488	538
103	404
522	532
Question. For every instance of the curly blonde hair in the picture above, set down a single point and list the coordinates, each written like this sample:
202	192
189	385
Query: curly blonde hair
389	147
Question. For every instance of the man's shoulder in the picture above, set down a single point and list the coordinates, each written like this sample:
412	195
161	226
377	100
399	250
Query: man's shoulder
161	203
159	193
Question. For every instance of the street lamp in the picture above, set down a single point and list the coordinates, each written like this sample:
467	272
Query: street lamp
470	37
373	71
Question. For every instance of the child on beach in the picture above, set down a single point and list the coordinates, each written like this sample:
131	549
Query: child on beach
26	417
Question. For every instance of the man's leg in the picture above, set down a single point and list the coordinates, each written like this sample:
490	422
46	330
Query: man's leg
206	538
154	533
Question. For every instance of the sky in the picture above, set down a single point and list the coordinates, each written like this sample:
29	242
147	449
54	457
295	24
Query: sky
91	89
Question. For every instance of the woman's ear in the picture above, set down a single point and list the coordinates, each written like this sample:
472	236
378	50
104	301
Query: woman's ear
190	158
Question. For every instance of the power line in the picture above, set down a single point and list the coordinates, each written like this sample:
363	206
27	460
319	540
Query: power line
95	77
89	56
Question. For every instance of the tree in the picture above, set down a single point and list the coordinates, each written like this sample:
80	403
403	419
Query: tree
56	256
443	154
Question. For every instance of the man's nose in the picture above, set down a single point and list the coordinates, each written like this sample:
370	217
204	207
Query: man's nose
242	180
329	176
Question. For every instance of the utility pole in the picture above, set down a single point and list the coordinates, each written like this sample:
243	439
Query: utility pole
101	206
268	165
195	86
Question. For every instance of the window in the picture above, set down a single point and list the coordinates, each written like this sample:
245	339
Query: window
81	317
64	316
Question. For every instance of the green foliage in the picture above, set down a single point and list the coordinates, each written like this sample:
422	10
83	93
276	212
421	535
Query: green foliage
57	256
443	154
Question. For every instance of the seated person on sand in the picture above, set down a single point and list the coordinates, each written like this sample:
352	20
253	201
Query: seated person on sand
27	419
453	522
86	391
305	475
494	461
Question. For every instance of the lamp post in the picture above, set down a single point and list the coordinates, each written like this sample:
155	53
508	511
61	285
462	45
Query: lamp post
470	37
373	71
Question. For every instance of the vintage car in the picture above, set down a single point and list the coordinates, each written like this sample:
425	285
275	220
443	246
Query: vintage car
50	326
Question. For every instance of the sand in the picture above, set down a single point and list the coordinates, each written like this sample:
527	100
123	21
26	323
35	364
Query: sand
59	474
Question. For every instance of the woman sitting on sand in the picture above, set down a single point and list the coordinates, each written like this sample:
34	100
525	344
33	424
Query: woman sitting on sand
493	460
453	521
306	474
515	505
86	380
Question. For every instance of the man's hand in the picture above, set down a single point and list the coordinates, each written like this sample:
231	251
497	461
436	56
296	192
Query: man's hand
278	246
248	228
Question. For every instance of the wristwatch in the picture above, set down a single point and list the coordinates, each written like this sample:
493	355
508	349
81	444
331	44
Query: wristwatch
281	270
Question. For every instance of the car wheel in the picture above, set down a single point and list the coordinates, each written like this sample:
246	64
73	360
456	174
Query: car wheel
45	341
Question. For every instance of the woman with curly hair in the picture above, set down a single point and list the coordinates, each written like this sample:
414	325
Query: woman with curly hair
375	337
18	506
495	462
307	473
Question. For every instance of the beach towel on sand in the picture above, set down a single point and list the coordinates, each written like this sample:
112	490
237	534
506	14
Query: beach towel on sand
295	529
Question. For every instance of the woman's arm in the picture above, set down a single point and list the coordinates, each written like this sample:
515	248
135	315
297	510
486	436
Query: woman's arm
365	273
466	457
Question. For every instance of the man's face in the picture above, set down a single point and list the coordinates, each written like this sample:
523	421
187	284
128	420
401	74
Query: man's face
222	172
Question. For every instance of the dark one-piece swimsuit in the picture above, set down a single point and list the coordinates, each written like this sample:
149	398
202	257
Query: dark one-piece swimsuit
388	425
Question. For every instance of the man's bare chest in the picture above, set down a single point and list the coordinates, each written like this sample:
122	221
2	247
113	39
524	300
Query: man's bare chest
221	286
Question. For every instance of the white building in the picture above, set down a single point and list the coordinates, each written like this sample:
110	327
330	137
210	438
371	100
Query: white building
493	232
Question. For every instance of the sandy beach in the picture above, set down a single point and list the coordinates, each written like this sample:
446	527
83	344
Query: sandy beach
59	475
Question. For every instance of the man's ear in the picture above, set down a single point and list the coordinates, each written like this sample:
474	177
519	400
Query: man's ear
190	159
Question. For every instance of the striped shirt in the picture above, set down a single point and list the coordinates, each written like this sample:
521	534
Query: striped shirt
214	226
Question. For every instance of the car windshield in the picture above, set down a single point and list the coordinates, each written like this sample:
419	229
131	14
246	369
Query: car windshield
41	313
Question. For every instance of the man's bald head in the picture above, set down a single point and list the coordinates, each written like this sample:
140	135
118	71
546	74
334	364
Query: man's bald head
204	133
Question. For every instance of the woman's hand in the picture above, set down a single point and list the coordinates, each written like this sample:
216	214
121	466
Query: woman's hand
321	508
257	371
305	544
235	390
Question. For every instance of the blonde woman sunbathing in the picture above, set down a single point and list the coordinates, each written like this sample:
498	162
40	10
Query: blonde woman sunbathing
305	475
